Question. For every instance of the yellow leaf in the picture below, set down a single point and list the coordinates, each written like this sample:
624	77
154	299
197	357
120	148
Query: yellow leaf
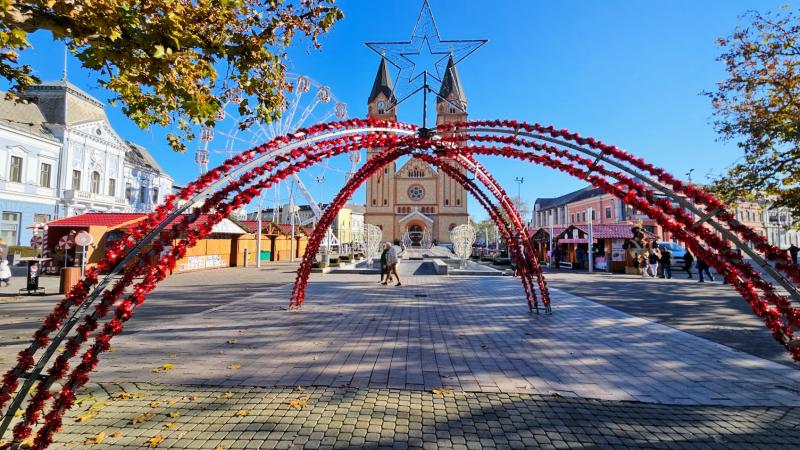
299	403
299	389
98	438
82	400
154	404
164	368
235	366
117	435
123	396
155	440
170	426
232	341
220	448
111	350
228	394
193	398
174	414
27	442
142	418
441	392
171	402
242	412
98	406
85	416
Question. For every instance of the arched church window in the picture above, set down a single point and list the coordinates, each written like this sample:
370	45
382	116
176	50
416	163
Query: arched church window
446	202
458	202
385	202
374	202
450	228
381	108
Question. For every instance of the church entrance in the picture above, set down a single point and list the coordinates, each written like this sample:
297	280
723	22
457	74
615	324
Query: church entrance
415	234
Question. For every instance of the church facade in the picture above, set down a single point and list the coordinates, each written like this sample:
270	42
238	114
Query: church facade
416	204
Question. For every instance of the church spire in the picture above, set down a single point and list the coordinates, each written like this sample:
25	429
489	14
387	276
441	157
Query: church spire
451	86
382	84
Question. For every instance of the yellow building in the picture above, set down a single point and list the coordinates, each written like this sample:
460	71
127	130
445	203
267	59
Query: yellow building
416	203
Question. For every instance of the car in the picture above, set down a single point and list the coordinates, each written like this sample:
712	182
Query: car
677	251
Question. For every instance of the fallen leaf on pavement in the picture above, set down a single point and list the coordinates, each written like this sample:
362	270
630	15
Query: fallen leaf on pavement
170	426
299	403
117	435
193	398
174	414
164	368
97	439
155	440
441	392
98	406
154	404
111	350
242	412
235	366
143	418
232	341
227	394
84	399
85	416
171	402
555	394
299	389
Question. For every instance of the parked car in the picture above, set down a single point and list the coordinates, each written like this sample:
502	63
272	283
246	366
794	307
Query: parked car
677	253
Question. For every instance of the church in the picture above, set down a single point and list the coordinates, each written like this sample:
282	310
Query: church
416	204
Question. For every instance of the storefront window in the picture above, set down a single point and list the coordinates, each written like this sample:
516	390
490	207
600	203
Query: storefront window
9	227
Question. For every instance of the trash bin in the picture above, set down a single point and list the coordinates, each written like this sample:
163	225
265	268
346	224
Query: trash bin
70	276
265	255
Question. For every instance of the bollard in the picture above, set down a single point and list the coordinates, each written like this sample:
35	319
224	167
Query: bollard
245	258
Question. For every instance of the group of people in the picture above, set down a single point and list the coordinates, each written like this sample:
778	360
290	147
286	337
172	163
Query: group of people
656	262
389	259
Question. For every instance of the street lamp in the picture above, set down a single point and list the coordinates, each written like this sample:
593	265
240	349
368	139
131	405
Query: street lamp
519	181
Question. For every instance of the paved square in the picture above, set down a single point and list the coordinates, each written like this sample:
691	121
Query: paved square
473	334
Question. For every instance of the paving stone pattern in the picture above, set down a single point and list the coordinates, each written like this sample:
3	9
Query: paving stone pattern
473	334
259	418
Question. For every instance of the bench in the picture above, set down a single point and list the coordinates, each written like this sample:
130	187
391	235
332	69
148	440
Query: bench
440	267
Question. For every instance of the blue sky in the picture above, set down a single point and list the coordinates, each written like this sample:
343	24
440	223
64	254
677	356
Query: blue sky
629	73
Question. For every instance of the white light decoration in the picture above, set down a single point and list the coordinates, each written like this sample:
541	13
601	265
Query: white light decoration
372	236
462	237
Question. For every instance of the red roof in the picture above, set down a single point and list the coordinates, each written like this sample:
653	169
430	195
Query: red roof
110	220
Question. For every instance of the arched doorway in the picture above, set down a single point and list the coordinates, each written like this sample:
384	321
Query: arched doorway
415	234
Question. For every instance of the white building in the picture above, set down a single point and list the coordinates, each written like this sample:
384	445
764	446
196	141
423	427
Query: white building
61	157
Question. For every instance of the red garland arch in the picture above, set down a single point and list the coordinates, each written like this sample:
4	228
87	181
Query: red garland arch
288	154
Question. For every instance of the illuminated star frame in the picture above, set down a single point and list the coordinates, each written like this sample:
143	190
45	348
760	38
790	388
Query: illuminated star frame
425	36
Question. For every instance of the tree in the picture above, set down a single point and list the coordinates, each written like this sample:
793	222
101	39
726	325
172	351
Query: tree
171	62
758	106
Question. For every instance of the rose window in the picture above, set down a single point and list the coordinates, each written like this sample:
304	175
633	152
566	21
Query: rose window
416	192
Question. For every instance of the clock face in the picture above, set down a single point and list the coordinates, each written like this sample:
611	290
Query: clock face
381	106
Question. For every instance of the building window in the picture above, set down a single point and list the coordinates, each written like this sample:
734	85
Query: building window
608	212
458	202
374	202
76	180
9	227
385	171
593	214
95	186
41	218
385	202
16	169
44	175
446	202
142	194
155	195
416	192
572	218
129	192
112	187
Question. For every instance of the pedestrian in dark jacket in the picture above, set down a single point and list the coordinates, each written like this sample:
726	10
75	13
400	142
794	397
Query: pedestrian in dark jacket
688	260
666	260
702	267
384	264
793	250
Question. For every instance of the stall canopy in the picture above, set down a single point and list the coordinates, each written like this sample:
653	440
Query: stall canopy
577	234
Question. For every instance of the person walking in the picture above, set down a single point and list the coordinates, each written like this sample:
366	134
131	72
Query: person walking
793	250
557	257
384	264
688	260
391	263
702	266
641	261
665	267
5	273
652	261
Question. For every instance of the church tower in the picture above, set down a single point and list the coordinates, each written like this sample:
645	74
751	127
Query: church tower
451	107
381	187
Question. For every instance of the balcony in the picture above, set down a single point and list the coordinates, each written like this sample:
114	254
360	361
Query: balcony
91	199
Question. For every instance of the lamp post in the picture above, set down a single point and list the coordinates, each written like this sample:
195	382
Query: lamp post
519	181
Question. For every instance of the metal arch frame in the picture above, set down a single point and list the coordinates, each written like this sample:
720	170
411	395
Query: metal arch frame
670	193
374	165
209	183
150	237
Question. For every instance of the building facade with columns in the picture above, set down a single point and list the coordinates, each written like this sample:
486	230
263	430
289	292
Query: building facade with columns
60	156
415	203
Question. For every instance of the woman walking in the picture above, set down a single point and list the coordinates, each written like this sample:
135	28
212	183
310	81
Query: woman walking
391	263
702	267
384	265
652	262
5	273
688	259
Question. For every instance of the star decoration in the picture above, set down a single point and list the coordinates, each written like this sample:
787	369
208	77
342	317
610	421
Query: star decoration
423	59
